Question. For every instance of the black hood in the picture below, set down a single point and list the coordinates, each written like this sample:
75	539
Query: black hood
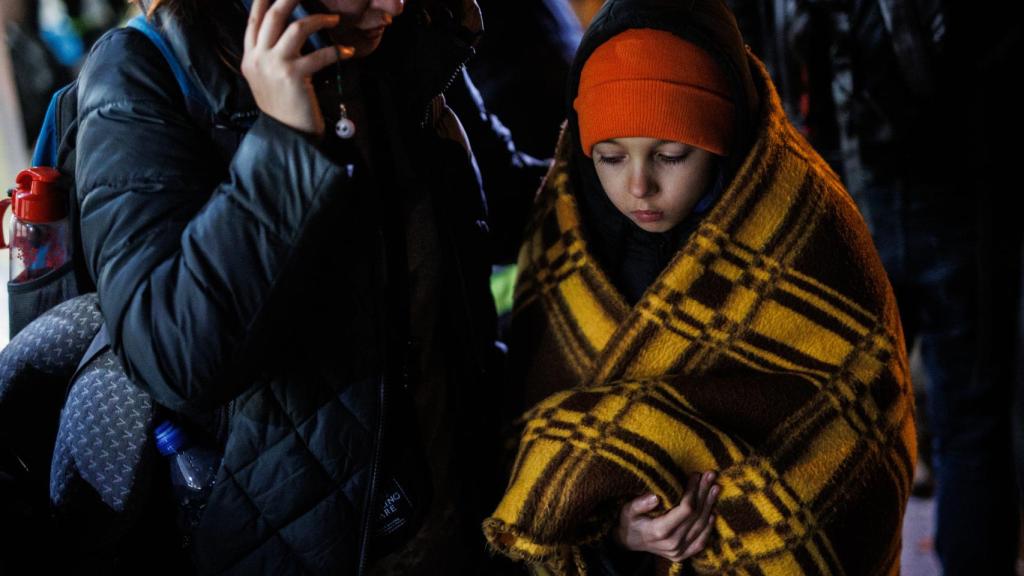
614	239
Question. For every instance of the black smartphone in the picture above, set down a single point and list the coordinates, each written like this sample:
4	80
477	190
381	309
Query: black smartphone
304	8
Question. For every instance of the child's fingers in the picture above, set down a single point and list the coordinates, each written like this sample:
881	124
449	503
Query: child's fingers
705	513
703	488
640	506
665	525
701	541
707	480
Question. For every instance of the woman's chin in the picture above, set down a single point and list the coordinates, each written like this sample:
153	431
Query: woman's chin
367	45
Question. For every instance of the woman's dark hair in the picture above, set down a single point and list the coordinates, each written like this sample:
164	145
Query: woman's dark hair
176	7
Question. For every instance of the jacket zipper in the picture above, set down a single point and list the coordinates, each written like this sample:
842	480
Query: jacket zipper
378	445
364	551
448	84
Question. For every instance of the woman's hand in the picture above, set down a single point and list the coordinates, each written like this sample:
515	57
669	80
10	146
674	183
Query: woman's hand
677	534
279	76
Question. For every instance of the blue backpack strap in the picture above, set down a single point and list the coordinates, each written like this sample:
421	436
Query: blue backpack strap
45	153
193	98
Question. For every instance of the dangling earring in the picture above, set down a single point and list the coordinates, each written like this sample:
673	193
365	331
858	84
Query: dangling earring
344	127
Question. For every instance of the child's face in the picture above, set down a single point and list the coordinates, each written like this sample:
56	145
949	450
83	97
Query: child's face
654	183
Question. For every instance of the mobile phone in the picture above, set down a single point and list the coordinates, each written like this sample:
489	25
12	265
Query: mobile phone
304	8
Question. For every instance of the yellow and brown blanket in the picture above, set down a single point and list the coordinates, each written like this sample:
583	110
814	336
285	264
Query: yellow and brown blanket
769	349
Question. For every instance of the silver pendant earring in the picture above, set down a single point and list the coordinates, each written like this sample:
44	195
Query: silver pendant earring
344	128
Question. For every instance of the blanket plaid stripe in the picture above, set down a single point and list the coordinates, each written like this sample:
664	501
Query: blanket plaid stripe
769	350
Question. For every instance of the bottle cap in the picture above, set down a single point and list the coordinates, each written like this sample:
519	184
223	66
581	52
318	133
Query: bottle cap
169	438
38	197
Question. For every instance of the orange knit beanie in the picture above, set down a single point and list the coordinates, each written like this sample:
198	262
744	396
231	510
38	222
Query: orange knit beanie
651	83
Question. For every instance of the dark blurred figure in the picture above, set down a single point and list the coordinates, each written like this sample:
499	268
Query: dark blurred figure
793	40
94	17
923	95
521	67
37	74
1018	424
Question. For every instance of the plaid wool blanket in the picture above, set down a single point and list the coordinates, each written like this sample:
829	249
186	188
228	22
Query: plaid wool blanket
769	349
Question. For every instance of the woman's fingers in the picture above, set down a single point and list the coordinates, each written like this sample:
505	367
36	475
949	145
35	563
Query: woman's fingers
296	34
277	73
252	27
313	62
274	22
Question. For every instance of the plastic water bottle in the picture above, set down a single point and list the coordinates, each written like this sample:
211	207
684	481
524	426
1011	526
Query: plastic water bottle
193	472
40	236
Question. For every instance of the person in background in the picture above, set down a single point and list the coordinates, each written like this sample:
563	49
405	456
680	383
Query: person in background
522	64
923	102
37	73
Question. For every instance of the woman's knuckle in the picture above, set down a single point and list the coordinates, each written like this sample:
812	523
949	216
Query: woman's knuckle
293	28
277	9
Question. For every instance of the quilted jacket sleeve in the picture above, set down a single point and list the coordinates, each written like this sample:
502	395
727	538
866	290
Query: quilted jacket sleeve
185	254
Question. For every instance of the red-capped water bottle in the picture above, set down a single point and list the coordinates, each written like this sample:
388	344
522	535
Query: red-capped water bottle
40	236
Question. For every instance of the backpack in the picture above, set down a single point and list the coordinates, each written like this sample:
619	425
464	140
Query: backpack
55	147
58	338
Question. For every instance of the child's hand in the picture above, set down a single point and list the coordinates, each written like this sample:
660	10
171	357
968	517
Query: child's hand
677	534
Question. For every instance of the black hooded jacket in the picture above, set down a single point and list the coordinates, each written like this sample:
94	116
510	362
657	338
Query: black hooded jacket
269	285
633	257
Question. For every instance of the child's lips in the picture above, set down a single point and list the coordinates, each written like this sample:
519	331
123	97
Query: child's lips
648	215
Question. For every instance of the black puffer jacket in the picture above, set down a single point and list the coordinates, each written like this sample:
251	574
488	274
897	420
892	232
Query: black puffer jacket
239	261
